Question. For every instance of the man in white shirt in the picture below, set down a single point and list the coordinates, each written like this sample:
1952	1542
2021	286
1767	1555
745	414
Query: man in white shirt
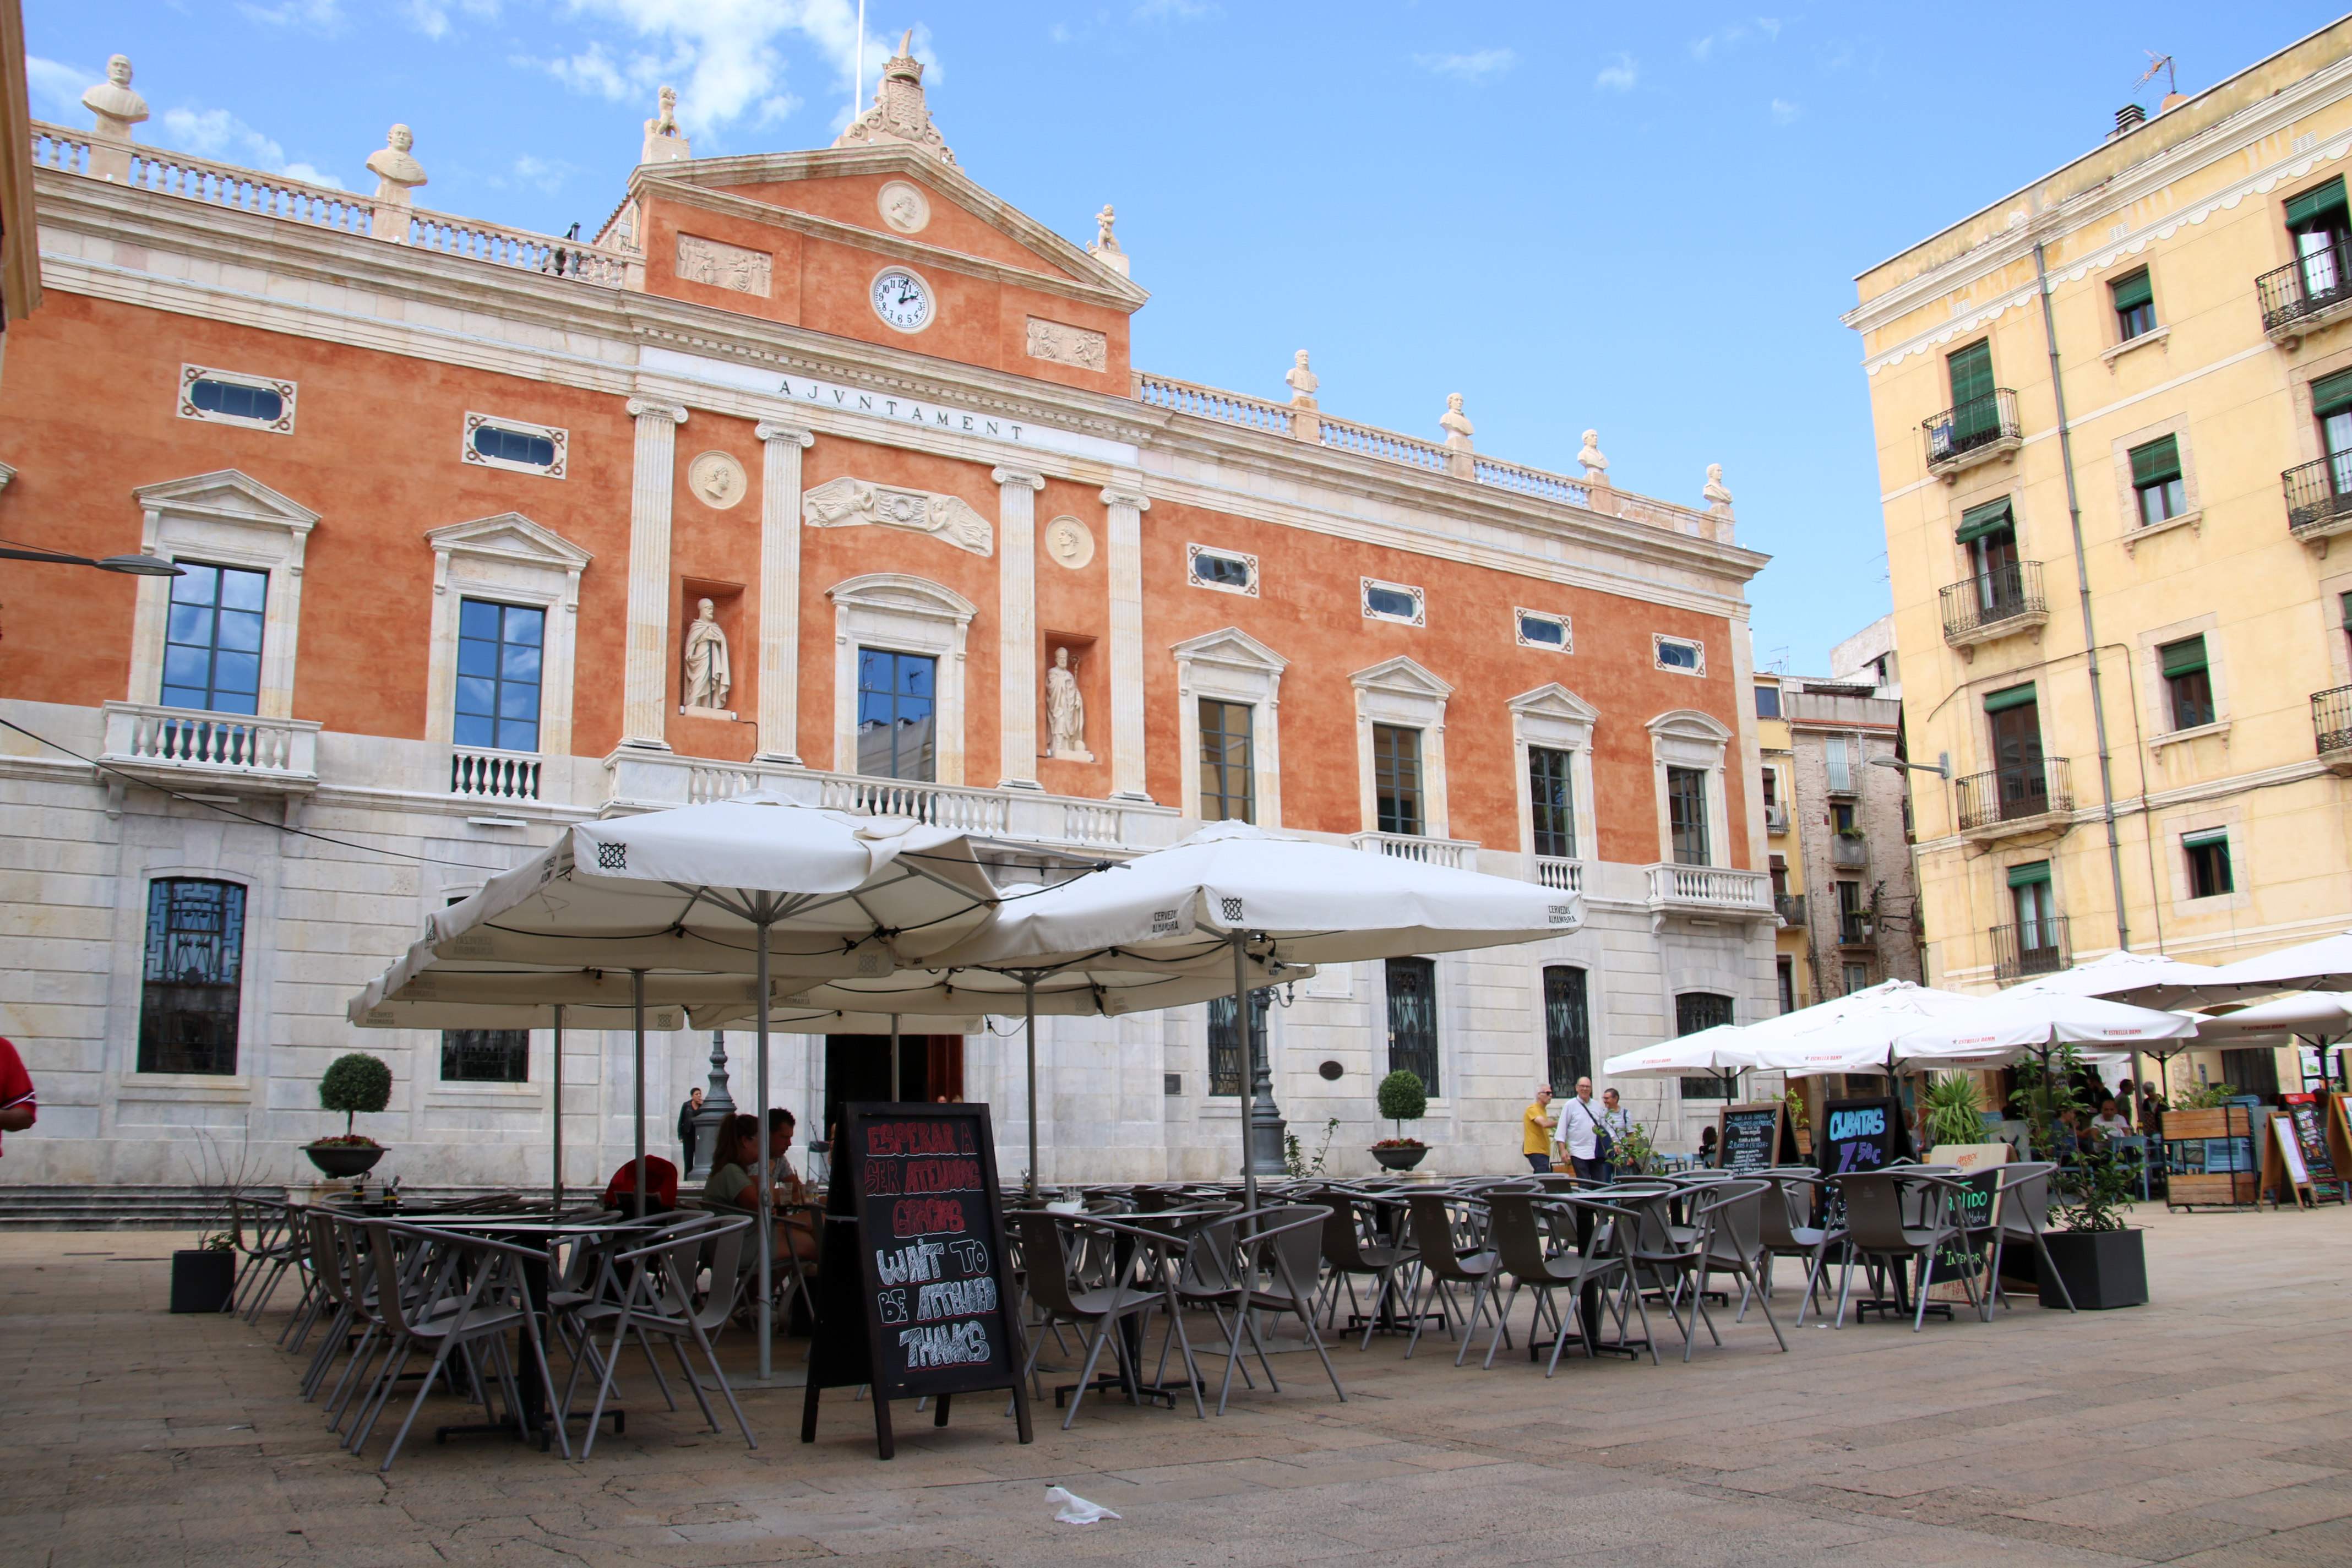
2111	1121
1580	1127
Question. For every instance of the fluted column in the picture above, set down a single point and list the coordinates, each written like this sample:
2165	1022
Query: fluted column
1016	616
644	680
1126	559
780	590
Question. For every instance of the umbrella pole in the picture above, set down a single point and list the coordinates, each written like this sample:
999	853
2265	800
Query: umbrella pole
894	1059
558	1184
637	1002
766	1182
1029	1004
1249	1074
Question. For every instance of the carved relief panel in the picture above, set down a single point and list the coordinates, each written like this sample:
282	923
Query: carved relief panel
851	504
1059	344
723	266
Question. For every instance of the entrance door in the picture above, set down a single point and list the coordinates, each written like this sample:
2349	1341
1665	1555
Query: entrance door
2017	760
857	1067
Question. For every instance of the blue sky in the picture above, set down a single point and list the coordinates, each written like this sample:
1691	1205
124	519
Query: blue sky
1641	219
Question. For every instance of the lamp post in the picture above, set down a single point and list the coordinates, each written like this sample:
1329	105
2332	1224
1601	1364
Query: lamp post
128	565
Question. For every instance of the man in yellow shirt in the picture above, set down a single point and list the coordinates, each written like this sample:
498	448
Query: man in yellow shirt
1536	1130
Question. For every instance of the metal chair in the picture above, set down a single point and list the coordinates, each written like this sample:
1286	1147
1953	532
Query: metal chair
1880	1231
1520	1252
1731	1240
1276	1252
1101	1309
1441	1227
1351	1258
2022	1212
1780	1222
648	1290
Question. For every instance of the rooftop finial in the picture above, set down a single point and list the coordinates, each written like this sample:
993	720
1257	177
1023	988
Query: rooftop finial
1105	249
899	113
665	142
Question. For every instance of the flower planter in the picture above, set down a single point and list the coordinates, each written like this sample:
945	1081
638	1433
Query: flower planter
2102	1268
1405	1159
345	1159
203	1280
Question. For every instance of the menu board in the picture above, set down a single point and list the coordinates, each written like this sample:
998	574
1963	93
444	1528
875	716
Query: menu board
1749	1137
916	1295
2311	1134
1856	1135
1978	1209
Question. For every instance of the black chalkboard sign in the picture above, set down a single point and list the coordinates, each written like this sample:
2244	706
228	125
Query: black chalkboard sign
1749	1137
1857	1135
916	1296
2311	1132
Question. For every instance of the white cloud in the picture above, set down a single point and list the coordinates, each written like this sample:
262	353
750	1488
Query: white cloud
1618	74
546	175
1473	67
1058	34
591	71
220	135
431	17
318	15
57	88
728	58
1784	113
1769	26
1737	33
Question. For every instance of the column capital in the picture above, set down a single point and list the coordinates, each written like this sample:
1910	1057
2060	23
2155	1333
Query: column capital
1135	498
1029	476
798	434
650	408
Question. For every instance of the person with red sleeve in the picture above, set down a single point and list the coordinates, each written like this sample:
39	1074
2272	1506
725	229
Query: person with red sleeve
18	1110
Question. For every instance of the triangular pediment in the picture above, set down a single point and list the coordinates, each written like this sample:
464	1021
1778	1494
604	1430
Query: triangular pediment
225	494
510	536
1401	675
1231	646
1553	700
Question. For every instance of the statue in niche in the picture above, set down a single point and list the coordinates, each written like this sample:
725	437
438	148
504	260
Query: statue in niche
708	677
1065	712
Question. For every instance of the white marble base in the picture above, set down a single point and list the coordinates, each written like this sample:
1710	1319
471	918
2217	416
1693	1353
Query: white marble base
688	710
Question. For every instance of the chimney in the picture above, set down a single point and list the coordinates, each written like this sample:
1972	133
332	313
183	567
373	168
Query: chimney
2128	118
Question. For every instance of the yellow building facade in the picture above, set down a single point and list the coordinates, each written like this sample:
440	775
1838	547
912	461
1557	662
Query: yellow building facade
2113	421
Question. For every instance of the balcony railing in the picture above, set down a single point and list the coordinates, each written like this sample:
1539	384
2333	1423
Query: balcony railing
1458	853
2015	793
2331	724
494	776
1790	908
2319	497
2022	951
2310	285
1971	431
1703	891
1560	875
1853	928
185	748
1776	818
1848	850
1994	604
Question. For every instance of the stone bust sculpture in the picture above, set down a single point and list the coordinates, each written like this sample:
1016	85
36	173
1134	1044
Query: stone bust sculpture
1066	711
1715	492
395	171
1303	382
1455	424
117	108
1596	467
706	677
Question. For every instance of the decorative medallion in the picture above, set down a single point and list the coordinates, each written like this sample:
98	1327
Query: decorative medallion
717	479
904	207
1069	542
1059	343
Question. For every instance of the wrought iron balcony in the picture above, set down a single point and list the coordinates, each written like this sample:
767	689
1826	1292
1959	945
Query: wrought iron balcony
2319	497
2016	798
1790	908
2022	951
2000	602
2331	727
1776	818
1853	928
1973	432
2305	291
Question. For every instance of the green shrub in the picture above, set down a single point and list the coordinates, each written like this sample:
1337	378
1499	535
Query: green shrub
1403	1099
355	1083
1953	1113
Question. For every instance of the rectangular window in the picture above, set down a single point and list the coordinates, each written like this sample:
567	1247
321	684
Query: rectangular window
2135	305
1686	815
192	978
1680	654
1228	762
2209	865
1552	796
1399	602
2253	1070
1779	875
1227	1065
1839	764
1696	1010
1853	914
2037	915
897	715
1976	412
1768	703
1841	818
1857	978
2188	683
1785	966
1771	786
1227	571
2156	480
498	675
1567	1028
1412	1019
212	641
1396	778
2013	715
486	1055
1537	629
2318	220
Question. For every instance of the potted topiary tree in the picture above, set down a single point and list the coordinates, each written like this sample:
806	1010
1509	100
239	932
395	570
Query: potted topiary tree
1401	1099
353	1084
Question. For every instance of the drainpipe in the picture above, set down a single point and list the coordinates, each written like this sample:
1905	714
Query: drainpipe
2083	588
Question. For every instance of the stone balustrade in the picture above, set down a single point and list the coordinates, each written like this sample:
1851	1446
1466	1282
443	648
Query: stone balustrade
1460	854
1211	403
1709	890
479	775
1560	875
179	748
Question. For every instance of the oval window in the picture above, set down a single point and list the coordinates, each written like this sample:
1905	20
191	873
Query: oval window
1225	571
234	400
1677	654
505	446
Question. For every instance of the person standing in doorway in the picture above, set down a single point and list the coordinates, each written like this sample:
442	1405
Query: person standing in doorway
1616	1121
686	1130
1534	1131
1580	1132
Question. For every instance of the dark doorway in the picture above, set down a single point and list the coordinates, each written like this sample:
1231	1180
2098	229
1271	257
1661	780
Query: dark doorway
2016	759
857	1067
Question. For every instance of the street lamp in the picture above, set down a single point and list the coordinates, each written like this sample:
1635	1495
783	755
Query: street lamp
1938	769
128	565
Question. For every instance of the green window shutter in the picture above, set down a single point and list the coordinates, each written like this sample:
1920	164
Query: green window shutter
2332	394
1971	370
1978	520
2313	203
2346	602
2183	657
2014	697
2134	291
2156	462
2029	874
2209	837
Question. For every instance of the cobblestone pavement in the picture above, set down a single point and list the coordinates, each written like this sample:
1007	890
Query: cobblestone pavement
2213	1427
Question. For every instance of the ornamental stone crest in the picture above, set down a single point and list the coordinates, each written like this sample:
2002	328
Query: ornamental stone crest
853	503
899	113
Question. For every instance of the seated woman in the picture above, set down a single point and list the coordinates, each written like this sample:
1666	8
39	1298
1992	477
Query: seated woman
734	1160
798	1231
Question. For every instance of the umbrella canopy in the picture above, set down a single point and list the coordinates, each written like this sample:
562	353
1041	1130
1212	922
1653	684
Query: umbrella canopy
2315	1013
2321	966
1896	1026
2142	979
1725	1048
1997	1030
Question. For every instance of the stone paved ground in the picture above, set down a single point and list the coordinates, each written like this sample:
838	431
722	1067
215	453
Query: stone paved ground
2213	1427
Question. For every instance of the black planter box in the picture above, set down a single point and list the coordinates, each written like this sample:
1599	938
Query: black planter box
202	1282
2102	1268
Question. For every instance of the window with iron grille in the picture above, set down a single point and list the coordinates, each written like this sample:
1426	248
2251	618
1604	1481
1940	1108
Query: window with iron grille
2188	682
212	638
499	674
1567	1028
1694	1011
1551	795
193	978
1228	764
486	1055
1226	1063
1412	1019
2209	865
2156	480
1396	778
2134	301
1686	815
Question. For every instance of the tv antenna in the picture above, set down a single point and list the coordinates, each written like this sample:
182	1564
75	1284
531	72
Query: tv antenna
2156	63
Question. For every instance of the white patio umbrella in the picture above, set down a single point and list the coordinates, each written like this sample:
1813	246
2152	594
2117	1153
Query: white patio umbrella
2315	1013
2321	966
1726	1049
1269	899
2142	979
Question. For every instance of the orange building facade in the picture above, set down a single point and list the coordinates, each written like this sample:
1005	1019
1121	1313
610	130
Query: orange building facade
825	472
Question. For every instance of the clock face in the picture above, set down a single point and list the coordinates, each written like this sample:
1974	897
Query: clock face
903	299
